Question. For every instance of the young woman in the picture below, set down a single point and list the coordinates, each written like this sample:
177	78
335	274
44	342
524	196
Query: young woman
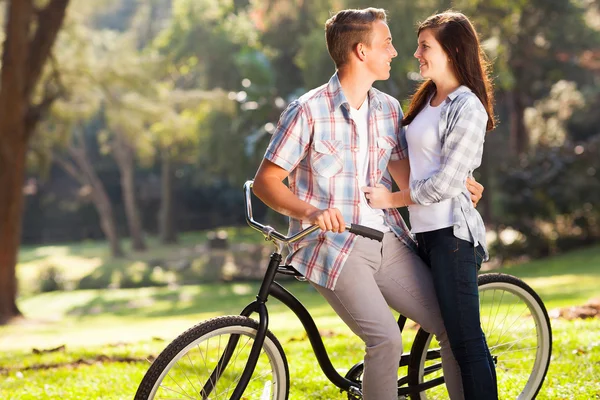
446	123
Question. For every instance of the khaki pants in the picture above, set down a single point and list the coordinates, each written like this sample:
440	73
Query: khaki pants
375	277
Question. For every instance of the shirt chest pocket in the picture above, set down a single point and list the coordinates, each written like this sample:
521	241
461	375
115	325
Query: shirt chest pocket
385	145
326	157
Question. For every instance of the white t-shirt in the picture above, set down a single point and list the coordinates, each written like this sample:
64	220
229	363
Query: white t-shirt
425	154
373	218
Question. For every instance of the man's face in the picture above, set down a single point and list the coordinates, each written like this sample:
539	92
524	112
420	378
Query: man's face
381	51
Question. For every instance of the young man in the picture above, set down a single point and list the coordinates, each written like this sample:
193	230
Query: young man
330	143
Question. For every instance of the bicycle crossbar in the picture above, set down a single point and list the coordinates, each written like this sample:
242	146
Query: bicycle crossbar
283	295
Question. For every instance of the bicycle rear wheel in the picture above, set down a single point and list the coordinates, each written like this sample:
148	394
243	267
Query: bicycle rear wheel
188	368
519	336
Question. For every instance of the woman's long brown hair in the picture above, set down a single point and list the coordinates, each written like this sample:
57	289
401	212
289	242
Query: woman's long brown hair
460	42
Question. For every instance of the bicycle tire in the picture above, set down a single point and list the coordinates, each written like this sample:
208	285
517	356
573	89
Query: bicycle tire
516	293
195	344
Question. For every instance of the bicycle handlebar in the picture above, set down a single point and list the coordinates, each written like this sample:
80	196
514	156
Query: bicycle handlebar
271	233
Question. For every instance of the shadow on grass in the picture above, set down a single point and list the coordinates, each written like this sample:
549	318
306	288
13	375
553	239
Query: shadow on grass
181	266
564	280
580	262
562	285
222	298
189	267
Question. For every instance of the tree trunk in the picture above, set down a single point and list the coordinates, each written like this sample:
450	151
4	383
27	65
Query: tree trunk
107	219
86	175
30	35
166	221
124	157
519	136
13	146
12	171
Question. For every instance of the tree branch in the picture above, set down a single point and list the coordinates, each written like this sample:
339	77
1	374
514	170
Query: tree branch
70	169
36	112
50	19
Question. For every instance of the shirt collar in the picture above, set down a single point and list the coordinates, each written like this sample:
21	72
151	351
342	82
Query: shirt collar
338	99
459	90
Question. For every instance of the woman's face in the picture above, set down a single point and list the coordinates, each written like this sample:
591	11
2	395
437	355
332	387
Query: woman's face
433	60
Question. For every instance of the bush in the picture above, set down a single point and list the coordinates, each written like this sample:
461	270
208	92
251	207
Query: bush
552	197
51	280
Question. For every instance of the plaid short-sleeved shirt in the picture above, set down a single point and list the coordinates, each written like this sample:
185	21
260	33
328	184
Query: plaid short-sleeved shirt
316	141
462	128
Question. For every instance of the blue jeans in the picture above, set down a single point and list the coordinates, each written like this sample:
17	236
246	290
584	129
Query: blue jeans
454	264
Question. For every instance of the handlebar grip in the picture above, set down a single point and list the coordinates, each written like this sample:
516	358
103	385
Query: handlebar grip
366	232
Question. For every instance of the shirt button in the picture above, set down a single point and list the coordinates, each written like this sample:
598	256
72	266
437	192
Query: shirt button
357	177
355	149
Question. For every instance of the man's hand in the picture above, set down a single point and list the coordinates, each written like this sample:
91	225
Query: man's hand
476	190
329	219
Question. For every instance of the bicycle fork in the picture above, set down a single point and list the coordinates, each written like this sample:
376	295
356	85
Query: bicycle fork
259	307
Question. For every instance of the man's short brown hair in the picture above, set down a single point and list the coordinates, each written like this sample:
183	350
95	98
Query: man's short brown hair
348	28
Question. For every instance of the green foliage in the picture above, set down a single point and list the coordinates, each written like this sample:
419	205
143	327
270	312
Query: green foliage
313	59
551	196
202	83
530	42
211	33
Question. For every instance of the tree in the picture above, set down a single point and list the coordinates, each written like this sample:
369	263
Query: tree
30	33
126	81
529	41
172	117
69	133
106	79
76	162
74	125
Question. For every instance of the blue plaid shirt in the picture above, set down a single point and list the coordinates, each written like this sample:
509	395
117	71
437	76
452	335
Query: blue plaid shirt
462	128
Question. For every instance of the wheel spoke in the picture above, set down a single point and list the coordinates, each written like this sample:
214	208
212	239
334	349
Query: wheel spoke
233	367
517	329
198	358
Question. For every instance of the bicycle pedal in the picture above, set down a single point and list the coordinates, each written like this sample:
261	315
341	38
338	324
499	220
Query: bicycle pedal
355	392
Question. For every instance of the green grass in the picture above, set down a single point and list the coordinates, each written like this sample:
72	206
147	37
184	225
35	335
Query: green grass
109	334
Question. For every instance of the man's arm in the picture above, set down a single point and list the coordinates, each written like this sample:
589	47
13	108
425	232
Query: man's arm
269	187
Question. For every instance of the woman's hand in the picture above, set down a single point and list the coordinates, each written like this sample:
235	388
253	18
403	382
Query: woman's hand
378	196
476	190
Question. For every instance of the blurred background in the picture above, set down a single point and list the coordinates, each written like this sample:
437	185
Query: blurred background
127	128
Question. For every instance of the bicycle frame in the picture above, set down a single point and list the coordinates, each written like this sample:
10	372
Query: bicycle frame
424	361
271	288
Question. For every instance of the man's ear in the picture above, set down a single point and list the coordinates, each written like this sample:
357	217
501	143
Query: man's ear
360	50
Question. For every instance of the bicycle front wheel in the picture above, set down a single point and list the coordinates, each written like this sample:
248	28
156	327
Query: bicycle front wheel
192	366
518	332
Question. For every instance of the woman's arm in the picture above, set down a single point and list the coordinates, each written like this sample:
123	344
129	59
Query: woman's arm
462	145
400	172
380	197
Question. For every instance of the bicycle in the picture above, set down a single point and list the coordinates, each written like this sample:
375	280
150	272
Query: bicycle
222	364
